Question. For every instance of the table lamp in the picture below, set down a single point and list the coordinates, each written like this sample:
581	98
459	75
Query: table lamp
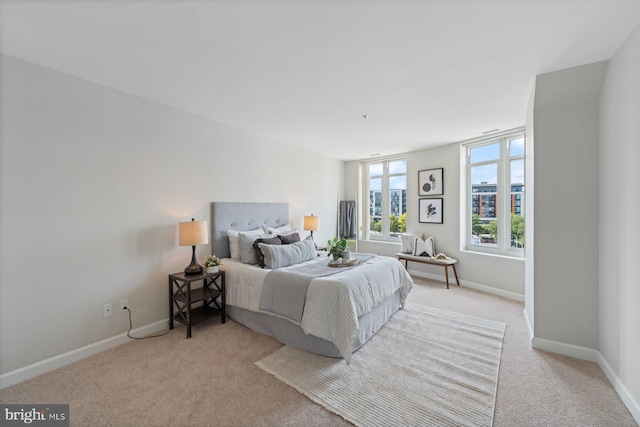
191	234
311	223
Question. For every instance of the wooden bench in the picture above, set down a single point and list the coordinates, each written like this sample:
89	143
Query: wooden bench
428	260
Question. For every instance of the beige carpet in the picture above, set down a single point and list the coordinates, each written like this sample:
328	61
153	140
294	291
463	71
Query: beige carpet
212	380
425	367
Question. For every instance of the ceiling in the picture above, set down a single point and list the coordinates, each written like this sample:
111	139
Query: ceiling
424	73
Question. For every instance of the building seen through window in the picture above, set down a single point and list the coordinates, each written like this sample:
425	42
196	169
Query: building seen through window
397	209
484	205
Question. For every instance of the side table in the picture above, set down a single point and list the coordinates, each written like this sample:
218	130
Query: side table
182	297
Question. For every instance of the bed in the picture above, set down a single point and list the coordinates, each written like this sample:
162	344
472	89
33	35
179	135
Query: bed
342	308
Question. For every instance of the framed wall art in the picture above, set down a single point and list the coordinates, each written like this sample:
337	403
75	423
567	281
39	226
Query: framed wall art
431	211
431	182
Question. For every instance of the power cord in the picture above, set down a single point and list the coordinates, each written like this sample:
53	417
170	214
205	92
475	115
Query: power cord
140	338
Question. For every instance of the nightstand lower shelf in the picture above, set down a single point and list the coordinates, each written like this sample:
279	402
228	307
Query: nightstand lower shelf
198	314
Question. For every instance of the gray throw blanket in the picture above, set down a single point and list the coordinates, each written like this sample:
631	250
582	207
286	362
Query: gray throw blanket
284	291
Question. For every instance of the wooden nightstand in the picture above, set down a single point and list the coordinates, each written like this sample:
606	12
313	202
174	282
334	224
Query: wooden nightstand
212	295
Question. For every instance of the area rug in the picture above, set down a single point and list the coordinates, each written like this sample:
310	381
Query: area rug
425	367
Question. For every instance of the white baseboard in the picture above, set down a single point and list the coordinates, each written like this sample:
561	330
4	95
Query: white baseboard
55	362
470	285
570	350
619	387
591	355
529	325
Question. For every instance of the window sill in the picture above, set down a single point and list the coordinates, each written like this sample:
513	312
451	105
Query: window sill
509	257
382	242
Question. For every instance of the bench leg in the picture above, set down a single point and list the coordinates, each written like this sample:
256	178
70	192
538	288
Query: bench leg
446	275
456	273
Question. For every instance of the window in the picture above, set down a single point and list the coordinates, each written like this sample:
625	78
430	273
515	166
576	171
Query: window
385	187
495	194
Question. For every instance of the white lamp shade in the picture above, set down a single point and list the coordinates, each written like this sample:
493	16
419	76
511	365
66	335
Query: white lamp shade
193	233
311	223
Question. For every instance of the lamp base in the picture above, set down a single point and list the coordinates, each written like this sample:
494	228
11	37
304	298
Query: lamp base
194	267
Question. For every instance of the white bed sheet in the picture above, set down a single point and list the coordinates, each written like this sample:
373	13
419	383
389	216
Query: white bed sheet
243	283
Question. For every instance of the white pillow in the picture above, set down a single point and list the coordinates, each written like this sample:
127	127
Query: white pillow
426	247
408	242
234	246
284	229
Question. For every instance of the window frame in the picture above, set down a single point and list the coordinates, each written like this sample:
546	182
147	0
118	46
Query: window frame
503	192
385	234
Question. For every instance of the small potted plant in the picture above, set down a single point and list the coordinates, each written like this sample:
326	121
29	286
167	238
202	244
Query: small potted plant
337	248
212	263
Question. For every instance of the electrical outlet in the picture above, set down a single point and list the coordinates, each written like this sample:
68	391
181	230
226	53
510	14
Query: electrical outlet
107	310
124	304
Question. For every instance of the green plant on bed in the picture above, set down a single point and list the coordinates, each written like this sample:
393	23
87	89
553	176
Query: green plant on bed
337	247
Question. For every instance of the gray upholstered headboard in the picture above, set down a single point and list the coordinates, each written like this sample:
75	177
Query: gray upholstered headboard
242	217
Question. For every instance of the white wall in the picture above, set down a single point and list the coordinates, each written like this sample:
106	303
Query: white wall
474	270
619	179
566	205
93	184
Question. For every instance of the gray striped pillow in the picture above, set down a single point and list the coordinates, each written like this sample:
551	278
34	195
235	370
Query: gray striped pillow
281	256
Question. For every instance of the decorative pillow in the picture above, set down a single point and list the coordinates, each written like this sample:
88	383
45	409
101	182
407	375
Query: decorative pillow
245	243
269	241
287	239
408	242
284	229
234	248
426	247
284	255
